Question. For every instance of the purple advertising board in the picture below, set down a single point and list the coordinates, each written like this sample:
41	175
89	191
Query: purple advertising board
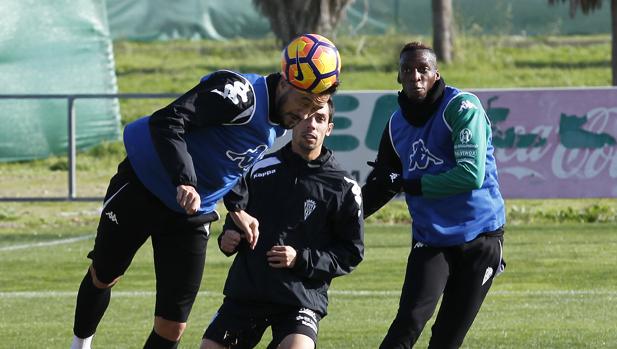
554	143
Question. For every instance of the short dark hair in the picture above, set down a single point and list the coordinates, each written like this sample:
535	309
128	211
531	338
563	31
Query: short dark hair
330	110
332	89
416	46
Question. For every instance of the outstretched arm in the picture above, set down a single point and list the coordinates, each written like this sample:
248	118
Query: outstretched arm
236	202
384	180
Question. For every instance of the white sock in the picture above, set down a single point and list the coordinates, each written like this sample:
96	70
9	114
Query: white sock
81	343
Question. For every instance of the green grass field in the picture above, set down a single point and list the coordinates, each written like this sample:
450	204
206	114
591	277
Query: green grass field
558	291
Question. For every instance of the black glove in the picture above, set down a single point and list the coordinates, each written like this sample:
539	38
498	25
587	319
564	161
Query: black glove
413	186
387	177
382	184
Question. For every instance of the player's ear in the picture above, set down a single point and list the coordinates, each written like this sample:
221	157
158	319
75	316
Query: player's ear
329	129
281	85
398	77
437	75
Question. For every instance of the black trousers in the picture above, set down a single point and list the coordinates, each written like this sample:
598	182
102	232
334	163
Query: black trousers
463	274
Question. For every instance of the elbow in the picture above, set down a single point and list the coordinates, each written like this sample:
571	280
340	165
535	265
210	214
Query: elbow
471	181
358	261
357	258
348	264
156	118
472	177
477	183
167	119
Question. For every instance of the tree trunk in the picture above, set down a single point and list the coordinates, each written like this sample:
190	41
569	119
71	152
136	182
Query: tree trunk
291	18
614	40
443	33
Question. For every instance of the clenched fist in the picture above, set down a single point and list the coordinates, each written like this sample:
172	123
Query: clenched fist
188	198
248	224
281	257
230	241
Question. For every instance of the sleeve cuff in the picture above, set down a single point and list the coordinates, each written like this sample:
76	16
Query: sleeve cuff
301	264
185	182
233	206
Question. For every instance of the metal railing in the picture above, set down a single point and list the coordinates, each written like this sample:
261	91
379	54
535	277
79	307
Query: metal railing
71	149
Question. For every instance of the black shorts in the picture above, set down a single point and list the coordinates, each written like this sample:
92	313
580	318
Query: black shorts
241	325
129	216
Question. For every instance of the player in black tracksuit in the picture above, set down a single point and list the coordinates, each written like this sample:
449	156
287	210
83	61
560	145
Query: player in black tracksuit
311	230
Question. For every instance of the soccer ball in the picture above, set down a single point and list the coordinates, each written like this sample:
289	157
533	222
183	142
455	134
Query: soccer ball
311	63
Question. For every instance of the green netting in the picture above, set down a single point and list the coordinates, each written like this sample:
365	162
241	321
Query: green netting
494	17
54	47
223	19
192	19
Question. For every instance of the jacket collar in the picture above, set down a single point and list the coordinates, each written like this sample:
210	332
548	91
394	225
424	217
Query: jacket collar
296	160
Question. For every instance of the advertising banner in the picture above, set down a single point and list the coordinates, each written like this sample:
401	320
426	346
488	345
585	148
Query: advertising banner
549	143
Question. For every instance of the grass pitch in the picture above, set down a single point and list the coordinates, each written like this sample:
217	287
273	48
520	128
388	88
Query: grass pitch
558	290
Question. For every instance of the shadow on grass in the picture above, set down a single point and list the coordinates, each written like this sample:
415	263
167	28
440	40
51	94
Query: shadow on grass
262	69
9	240
563	65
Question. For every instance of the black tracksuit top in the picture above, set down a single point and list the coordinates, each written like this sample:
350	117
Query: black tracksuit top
314	207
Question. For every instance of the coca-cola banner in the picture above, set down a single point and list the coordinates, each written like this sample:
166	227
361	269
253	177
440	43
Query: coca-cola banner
549	143
554	143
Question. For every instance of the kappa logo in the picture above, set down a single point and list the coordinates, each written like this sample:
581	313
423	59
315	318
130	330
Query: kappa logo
264	174
487	275
238	89
419	245
393	176
112	217
309	207
465	105
246	159
465	135
421	157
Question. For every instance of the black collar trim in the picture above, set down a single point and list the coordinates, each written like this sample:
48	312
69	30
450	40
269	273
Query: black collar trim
417	114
